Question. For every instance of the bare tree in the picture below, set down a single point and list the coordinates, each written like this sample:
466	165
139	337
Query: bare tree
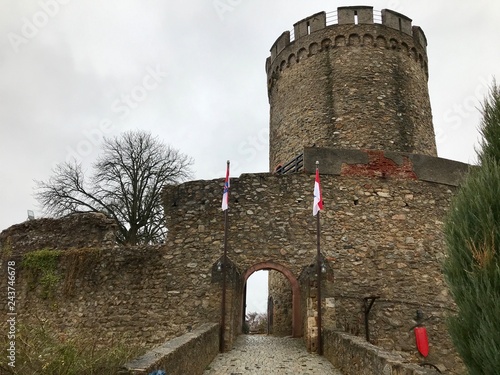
257	322
126	185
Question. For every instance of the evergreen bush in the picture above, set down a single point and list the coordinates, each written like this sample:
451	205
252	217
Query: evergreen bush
472	266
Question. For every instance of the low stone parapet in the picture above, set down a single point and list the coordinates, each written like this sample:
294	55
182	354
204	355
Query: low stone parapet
190	354
352	355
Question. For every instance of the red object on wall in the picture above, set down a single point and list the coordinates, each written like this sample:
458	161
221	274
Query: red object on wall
422	340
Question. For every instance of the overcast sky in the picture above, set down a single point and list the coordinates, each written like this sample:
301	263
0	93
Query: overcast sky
193	73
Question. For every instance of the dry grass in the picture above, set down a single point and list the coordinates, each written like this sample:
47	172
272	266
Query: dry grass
41	351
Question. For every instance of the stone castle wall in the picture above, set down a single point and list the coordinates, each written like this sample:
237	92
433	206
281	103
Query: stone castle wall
381	235
75	231
281	293
190	353
107	292
352	86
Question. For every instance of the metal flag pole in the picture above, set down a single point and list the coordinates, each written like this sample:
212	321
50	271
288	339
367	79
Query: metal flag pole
224	264
318	272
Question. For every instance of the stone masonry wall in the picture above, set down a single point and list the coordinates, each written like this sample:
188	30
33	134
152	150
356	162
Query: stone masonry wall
190	353
280	291
143	295
309	288
74	231
354	356
380	236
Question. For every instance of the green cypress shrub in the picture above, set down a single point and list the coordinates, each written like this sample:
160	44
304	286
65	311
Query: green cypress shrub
472	266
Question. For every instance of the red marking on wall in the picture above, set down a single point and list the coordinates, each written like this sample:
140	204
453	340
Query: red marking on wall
380	166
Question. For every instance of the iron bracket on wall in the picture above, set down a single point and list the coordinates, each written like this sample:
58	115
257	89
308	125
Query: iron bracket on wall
368	303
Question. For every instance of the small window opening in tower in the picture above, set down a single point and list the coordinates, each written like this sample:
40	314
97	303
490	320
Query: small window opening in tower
355	17
400	24
308	28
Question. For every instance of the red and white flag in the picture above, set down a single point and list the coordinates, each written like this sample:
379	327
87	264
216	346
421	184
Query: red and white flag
225	195
318	200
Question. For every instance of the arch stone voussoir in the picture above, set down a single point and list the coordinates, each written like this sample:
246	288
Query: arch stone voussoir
296	313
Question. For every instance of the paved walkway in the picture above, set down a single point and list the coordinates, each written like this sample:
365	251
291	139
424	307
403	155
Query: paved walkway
268	355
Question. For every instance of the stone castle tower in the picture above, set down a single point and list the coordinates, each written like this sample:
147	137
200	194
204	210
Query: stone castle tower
349	90
347	82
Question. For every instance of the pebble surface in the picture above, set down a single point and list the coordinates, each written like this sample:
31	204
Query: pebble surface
262	354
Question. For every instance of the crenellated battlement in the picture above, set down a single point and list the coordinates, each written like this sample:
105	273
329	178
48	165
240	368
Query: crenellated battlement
354	79
405	37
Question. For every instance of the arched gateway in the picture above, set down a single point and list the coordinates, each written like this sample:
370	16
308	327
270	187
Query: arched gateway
296	312
348	90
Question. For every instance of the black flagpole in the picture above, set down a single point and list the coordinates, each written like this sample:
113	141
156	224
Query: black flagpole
224	272
318	271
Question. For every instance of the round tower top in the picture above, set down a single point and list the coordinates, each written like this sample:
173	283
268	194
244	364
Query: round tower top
350	79
353	15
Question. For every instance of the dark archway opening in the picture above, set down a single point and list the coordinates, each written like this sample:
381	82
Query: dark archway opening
256	303
293	308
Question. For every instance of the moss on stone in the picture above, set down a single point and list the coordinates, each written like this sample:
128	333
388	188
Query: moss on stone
42	266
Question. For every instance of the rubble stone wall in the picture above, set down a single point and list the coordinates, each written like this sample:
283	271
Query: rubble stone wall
141	294
73	231
352	86
190	353
380	236
353	356
280	291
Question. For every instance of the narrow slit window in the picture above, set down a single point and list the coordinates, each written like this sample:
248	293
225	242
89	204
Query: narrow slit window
400	25
308	28
355	17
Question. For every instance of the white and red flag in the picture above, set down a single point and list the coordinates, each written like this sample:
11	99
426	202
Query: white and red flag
318	200
225	195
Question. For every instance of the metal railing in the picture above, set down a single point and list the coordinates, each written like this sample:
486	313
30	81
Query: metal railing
332	18
293	166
